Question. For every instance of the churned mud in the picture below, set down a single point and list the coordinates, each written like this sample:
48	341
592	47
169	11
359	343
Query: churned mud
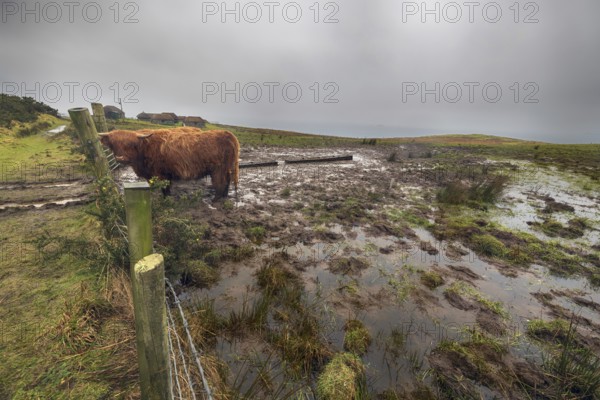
59	193
357	235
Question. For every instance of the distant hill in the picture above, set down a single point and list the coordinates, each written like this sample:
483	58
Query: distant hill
22	109
274	136
462	139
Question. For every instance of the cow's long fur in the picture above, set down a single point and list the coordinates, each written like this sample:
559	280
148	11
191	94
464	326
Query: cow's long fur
179	153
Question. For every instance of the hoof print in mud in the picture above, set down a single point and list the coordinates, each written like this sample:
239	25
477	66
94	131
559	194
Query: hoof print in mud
457	301
349	266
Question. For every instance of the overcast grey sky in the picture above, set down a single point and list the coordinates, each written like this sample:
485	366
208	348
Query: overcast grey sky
364	68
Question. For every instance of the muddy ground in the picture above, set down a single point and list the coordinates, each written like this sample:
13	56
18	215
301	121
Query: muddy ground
338	225
445	320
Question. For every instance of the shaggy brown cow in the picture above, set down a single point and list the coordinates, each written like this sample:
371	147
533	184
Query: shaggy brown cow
179	153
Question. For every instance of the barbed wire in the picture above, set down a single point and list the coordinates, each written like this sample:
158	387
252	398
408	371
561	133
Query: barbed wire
195	354
174	363
172	328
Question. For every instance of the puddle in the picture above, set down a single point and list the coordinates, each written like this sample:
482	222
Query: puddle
56	130
63	202
42	186
521	203
421	320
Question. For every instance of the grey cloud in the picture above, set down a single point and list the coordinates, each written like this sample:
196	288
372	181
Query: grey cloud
171	52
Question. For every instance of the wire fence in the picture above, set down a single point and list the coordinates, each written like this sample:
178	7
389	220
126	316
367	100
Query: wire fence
178	351
195	355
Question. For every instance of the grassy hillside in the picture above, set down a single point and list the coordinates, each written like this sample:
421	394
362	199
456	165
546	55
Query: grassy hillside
14	109
36	146
455	139
66	329
37	156
41	123
132	124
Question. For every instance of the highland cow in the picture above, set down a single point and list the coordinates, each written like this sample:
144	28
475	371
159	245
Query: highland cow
178	154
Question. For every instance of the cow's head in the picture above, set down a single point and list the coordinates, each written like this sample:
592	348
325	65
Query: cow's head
124	144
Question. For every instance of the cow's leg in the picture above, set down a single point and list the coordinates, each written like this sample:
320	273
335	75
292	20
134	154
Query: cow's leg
226	184
166	190
218	182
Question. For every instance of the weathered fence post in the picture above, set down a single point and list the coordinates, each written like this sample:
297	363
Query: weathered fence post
88	137
148	284
151	327
99	118
139	221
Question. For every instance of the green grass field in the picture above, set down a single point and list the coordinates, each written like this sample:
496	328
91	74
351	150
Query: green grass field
65	328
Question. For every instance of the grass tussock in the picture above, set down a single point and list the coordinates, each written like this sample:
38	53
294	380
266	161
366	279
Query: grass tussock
262	375
351	210
574	229
577	372
413	217
274	278
459	366
200	274
342	379
357	337
286	192
555	331
516	248
464	289
81	320
573	368
205	322
489	246
484	190
251	317
300	343
432	279
97	327
256	234
296	331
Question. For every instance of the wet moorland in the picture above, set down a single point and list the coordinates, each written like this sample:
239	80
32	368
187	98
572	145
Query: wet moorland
439	272
449	267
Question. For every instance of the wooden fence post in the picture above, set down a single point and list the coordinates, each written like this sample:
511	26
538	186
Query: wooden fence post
151	327
88	136
99	118
139	221
148	284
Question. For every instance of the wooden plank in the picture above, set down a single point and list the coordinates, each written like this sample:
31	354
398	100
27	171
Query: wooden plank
259	164
317	160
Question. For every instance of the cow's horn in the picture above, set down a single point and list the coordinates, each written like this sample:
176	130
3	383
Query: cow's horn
102	134
145	136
